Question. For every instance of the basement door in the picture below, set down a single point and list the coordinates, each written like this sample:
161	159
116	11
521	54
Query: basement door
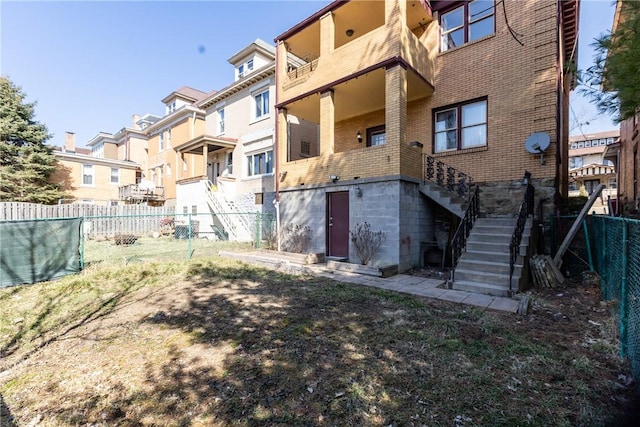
338	224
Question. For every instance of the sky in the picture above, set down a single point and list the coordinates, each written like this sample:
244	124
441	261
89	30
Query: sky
91	65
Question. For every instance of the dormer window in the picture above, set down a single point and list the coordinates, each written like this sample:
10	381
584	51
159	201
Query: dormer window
250	65
171	107
241	71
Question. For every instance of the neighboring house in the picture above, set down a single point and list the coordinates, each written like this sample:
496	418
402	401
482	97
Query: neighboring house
625	154
182	122
95	175
588	167
391	86
237	177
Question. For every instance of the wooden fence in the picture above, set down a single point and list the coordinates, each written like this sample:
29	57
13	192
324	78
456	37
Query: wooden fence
99	220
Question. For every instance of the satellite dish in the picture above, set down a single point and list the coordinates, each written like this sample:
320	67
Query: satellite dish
537	143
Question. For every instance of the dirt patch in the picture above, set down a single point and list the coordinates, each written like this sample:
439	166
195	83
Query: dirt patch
220	343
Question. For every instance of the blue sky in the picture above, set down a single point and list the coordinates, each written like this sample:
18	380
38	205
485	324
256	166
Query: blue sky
91	65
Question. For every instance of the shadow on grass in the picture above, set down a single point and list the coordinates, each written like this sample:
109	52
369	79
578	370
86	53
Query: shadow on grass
311	351
6	419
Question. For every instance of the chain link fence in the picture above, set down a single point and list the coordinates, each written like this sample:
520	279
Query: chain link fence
152	238
611	247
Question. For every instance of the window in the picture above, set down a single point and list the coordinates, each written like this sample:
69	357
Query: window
161	141
581	144
260	164
250	65
171	107
607	162
376	136
574	145
466	23
461	126
573	186
98	150
168	138
115	175
305	148
185	210
230	163
241	71
194	209
613	183
87	174
575	162
221	121
168	169
262	104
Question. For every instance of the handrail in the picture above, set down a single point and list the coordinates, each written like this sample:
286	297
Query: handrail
526	209
459	240
241	216
435	170
228	224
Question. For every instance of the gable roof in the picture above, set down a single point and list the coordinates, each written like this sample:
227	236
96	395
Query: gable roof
185	92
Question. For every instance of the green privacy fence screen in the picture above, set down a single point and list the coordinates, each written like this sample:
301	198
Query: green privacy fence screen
37	250
616	255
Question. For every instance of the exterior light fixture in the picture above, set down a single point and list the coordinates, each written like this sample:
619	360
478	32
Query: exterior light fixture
359	137
417	144
349	32
526	179
357	190
334	178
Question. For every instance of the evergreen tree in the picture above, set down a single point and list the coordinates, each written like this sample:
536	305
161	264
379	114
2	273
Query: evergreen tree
613	82
26	164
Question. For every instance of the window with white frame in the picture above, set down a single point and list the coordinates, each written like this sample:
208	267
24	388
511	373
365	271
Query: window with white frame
261	101
613	183
171	107
575	162
87	174
98	150
161	141
115	175
460	126
241	71
168	169
465	23
168	138
250	65
221	121
260	163
229	159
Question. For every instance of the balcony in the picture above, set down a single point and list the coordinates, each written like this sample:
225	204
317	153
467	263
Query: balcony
136	193
353	40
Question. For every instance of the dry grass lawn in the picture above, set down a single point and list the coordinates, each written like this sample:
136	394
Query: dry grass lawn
219	343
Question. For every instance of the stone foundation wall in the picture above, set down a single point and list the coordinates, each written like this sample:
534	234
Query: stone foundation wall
503	198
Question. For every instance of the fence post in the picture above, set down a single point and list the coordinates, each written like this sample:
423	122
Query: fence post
189	228
623	292
257	239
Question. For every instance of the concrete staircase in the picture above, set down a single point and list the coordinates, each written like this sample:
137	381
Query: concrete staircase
484	266
445	198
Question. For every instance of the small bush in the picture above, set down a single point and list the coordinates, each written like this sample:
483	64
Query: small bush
269	234
366	242
296	238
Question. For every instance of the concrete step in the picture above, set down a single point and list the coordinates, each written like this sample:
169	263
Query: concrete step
481	246
493	229
481	288
467	275
498	221
476	236
488	256
467	263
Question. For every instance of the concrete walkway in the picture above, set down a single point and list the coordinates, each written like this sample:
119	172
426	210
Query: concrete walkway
413	285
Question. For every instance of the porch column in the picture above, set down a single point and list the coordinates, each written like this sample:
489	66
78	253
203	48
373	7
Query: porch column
327	34
205	159
327	121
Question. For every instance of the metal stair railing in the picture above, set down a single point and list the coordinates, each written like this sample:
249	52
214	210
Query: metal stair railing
238	216
219	210
459	240
447	177
526	209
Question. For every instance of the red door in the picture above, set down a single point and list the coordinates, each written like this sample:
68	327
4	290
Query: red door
338	224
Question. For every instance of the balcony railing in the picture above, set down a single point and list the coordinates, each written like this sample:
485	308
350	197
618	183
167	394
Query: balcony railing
447	176
138	192
303	70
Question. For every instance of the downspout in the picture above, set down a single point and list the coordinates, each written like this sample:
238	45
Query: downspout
276	175
559	103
